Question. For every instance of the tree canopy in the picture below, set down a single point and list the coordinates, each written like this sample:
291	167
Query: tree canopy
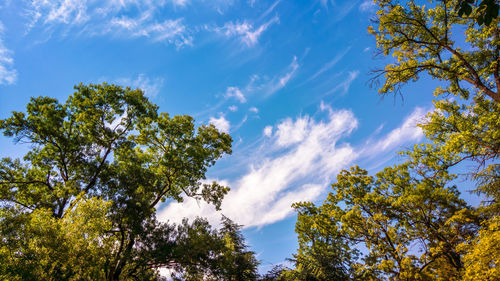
434	38
81	203
409	222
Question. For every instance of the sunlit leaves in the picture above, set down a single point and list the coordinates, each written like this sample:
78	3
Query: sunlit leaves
427	39
82	202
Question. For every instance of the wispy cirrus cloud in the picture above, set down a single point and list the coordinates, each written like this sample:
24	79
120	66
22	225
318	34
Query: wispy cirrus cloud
123	18
344	85
339	10
171	31
270	9
407	131
150	86
329	65
265	86
236	93
280	81
296	160
367	6
181	3
8	75
245	31
257	86
264	193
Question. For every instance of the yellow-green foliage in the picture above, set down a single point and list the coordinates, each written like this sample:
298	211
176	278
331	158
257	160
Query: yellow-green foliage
422	38
482	261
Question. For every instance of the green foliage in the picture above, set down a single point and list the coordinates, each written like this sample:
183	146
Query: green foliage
322	253
422	39
38	246
277	273
459	133
81	204
408	222
231	261
481	258
410	226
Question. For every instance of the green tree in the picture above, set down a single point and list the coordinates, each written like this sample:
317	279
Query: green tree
277	273
322	253
410	218
231	262
422	39
408	222
81	203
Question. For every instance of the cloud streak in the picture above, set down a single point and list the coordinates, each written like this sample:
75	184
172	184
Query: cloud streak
329	65
124	18
270	9
236	93
246	32
296	161
265	192
150	86
344	85
407	131
8	75
279	82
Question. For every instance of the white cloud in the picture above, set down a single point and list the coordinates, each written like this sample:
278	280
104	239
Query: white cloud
150	86
270	9
254	109
157	31
294	163
268	131
181	3
233	108
293	67
279	82
283	174
220	123
236	93
408	131
367	6
62	11
262	85
247	33
8	75
93	17
170	31
290	132
344	85
329	64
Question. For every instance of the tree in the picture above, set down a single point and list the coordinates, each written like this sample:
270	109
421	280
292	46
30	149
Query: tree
322	253
232	262
408	222
81	203
423	39
275	274
481	259
410	218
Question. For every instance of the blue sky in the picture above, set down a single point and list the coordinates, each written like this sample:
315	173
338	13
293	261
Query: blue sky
289	80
